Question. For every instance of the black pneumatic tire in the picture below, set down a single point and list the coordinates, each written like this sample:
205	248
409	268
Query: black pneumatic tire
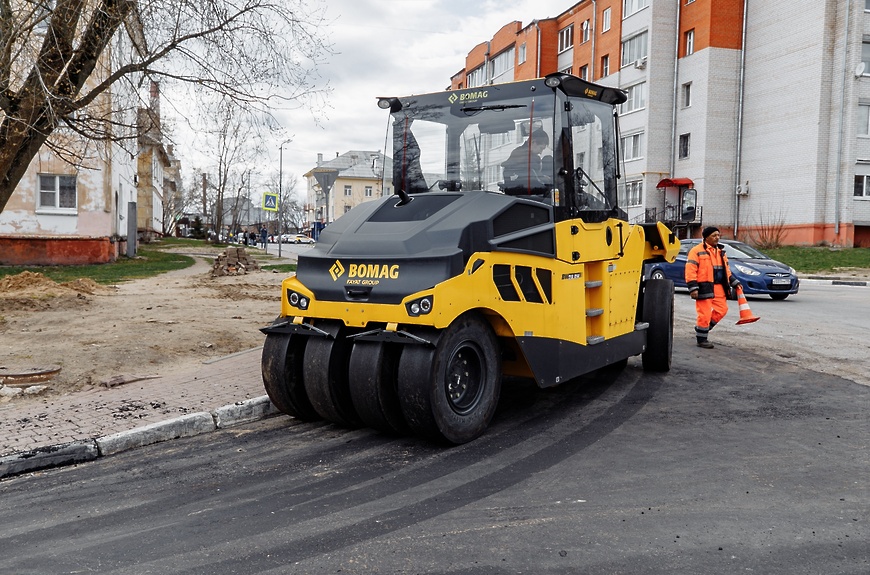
658	312
281	366
324	372
373	379
450	393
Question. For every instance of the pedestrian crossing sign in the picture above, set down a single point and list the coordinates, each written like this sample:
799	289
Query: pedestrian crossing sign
270	202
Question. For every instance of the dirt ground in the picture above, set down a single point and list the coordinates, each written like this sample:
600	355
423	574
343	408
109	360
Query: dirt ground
99	335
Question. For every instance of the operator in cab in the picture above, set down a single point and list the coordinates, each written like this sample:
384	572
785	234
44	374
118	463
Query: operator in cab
524	171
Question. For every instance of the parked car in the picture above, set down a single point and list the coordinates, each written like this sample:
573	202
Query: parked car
758	274
302	239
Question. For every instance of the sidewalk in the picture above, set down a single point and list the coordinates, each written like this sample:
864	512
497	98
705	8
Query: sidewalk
81	426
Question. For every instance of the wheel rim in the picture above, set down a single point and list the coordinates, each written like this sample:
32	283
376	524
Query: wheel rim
658	275
463	381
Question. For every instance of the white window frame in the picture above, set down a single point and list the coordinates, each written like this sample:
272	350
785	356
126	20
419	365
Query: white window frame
44	193
368	192
566	38
584	73
501	65
863	128
633	193
635	48
636	99
521	53
687	94
348	191
865	56
862	187
690	42
632	146
630	7
605	65
587	31
605	20
476	77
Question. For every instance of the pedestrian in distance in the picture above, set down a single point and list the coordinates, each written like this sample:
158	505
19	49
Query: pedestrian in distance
709	280
264	236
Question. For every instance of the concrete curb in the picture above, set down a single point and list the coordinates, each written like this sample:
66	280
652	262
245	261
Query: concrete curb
185	426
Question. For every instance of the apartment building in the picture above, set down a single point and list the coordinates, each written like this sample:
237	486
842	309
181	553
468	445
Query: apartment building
337	185
755	114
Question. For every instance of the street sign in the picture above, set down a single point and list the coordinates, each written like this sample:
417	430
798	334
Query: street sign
270	202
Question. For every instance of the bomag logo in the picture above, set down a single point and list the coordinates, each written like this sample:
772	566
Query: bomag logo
591	93
336	270
357	272
468	96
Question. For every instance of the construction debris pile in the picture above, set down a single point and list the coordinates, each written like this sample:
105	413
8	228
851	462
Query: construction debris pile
233	261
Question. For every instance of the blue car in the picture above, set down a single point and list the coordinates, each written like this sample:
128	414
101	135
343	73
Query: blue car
758	274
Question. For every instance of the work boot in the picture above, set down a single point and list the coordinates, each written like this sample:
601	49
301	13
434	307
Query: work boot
705	344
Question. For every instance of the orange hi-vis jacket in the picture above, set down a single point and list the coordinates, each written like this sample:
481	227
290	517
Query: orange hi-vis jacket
707	266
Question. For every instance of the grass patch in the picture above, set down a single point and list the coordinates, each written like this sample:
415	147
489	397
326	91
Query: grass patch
821	259
152	260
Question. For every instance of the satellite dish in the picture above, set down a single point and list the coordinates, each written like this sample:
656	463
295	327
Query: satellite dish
859	70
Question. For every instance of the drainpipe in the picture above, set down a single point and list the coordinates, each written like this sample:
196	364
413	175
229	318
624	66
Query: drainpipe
538	50
739	148
672	165
594	31
842	128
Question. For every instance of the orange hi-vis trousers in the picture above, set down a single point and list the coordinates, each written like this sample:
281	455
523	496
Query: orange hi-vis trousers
710	312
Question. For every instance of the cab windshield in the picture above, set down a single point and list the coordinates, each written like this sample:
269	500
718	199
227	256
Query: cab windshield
546	146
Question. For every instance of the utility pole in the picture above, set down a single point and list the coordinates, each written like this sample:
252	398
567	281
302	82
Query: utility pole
280	190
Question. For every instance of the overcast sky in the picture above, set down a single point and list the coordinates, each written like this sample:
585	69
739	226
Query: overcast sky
390	48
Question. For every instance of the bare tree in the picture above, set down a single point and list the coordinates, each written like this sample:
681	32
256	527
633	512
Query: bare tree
57	68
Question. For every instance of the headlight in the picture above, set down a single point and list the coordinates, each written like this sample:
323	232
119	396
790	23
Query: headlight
792	271
297	300
746	270
420	306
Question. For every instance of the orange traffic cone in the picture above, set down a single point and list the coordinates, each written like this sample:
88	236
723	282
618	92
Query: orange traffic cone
745	313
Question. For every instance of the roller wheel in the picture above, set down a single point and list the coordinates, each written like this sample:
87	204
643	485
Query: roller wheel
282	375
450	393
373	378
658	312
324	372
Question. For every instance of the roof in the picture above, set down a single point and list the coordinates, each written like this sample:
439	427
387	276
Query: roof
358	164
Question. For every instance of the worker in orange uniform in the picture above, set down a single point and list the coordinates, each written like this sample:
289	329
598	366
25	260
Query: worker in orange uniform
709	280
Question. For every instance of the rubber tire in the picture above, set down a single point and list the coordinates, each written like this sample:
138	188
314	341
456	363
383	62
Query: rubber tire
281	365
373	379
423	382
778	296
658	312
325	374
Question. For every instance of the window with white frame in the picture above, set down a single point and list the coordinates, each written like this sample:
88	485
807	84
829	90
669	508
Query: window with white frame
348	191
566	38
685	140
521	54
865	57
476	77
57	192
629	7
584	72
568	70
632	146
605	19
636	98
369	192
587	31
690	42
633	193
862	186
502	67
687	94
866	5
605	66
634	49
864	119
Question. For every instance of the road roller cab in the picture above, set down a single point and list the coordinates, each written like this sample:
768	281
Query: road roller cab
497	255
